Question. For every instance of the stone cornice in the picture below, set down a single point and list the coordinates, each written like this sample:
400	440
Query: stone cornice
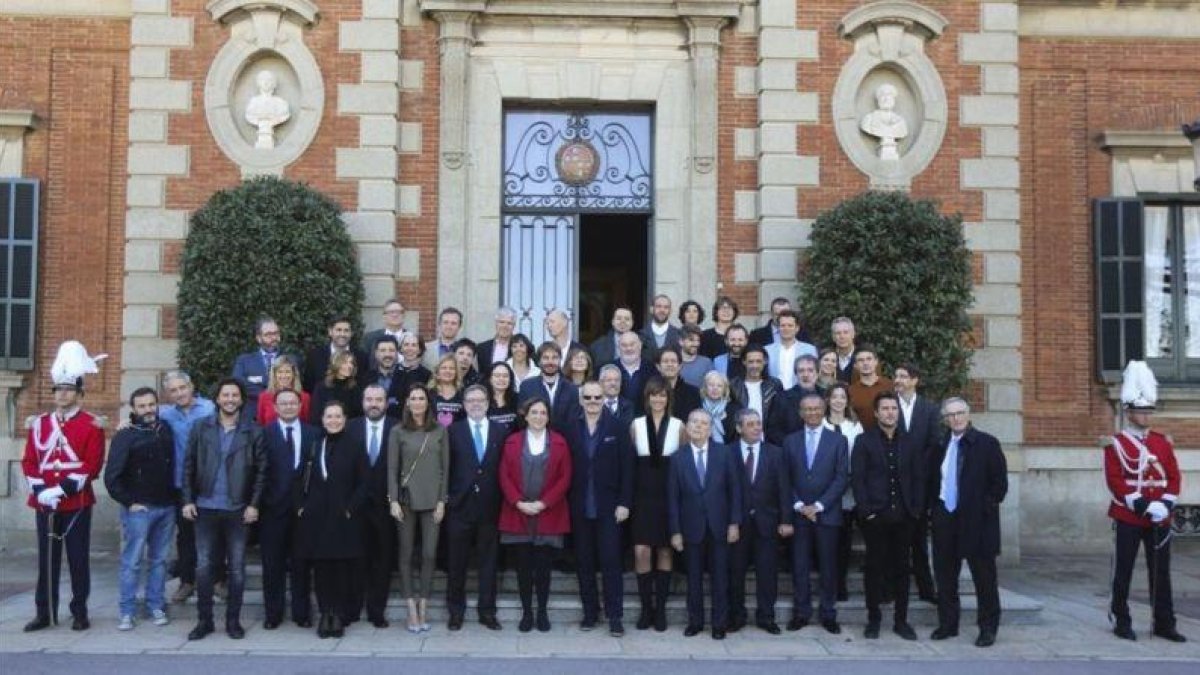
25	120
667	9
306	10
1167	139
892	11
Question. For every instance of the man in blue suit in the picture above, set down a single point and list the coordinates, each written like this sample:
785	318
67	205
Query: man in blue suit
602	464
766	516
369	435
782	353
553	387
473	508
286	441
704	505
254	367
818	462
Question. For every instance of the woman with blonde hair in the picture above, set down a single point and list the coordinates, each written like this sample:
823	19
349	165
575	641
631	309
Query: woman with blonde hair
339	384
284	375
445	391
716	401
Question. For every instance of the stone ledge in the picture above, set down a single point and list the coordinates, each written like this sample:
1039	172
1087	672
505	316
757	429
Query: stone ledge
1180	401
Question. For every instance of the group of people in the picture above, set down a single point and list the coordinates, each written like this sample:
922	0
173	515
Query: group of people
722	448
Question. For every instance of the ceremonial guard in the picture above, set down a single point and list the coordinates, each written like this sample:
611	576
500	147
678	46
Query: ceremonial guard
1143	477
63	455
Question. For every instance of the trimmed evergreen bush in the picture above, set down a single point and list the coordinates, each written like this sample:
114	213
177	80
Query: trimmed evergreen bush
267	247
901	271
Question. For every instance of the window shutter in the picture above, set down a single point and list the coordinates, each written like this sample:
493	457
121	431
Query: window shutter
18	272
1119	284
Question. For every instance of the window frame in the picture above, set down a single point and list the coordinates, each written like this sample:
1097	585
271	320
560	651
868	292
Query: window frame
10	241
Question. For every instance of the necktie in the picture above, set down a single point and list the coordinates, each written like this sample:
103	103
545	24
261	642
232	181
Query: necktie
810	449
373	444
291	441
700	466
477	435
950	476
268	359
750	464
612	406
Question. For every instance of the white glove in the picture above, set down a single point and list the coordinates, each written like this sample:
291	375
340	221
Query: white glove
51	496
1158	511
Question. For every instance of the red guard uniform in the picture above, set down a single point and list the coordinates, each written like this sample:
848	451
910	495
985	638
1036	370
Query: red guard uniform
1143	477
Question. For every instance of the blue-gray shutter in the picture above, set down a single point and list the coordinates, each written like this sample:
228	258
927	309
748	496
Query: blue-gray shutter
18	272
1120	285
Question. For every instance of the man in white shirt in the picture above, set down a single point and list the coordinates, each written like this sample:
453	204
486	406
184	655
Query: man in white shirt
756	390
782	354
393	325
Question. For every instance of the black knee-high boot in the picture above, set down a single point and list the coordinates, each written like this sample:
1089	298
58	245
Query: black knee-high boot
645	584
525	586
662	590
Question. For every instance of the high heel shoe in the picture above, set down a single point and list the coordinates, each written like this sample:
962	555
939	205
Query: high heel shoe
414	618
423	611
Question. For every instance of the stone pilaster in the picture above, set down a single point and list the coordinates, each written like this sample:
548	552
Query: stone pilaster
782	107
704	39
152	160
375	100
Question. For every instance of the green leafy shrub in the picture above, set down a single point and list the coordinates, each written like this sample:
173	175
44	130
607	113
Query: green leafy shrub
902	272
266	247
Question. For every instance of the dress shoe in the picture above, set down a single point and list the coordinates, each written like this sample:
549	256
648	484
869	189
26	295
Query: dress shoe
526	624
1125	632
234	630
271	624
1169	634
986	639
905	631
543	621
490	623
796	623
80	623
718	634
736	625
455	622
304	623
588	624
941	633
871	632
380	622
615	629
692	630
831	626
337	629
770	627
201	631
182	593
37	624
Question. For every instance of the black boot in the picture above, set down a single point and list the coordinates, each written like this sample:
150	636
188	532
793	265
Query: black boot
323	625
336	629
662	590
645	584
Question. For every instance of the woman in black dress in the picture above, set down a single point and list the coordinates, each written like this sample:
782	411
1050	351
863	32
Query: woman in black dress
656	436
502	395
409	370
339	384
329	493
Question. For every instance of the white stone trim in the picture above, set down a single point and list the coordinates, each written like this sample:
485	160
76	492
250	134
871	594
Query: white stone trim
1150	162
1155	21
14	124
62	9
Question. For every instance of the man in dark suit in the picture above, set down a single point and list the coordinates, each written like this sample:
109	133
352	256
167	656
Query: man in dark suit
253	368
786	411
553	387
635	368
496	348
843	343
659	332
617	406
921	422
473	507
765	335
766	516
369	435
286	441
704	506
604	348
685	398
889	488
819	464
393	326
387	353
729	364
316	362
602	464
558	331
970	476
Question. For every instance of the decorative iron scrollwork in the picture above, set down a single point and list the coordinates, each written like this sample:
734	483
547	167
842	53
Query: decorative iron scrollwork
577	162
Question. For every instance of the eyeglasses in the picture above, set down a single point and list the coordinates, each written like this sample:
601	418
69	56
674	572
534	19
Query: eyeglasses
593	398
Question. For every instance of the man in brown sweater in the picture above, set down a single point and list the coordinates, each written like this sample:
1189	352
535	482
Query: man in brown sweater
867	385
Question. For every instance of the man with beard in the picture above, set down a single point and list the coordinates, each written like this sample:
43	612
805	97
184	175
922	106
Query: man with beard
659	332
369	435
606	347
384	374
729	364
552	387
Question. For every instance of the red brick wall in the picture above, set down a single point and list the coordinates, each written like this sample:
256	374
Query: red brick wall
73	73
1071	92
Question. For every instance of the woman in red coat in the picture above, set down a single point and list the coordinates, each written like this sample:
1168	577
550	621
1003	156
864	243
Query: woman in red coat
535	473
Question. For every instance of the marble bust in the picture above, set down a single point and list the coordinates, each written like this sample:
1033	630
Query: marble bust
885	123
266	110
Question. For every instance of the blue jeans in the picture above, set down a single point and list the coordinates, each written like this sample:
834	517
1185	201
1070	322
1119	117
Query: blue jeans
150	530
218	530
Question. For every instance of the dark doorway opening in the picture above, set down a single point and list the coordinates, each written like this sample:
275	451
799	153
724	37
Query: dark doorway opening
614	269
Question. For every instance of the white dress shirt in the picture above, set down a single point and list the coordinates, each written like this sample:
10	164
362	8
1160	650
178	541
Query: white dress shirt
295	427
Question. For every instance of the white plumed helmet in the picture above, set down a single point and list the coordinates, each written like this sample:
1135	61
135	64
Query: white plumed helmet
1139	389
71	364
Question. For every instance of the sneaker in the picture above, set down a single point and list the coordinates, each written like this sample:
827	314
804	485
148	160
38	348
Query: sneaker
160	617
126	622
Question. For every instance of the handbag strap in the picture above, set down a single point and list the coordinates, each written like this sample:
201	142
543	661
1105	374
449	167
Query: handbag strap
411	469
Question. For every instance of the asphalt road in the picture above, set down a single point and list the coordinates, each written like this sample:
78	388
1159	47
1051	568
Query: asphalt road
188	664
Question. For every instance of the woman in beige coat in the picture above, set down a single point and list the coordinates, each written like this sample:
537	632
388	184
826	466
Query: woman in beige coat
419	455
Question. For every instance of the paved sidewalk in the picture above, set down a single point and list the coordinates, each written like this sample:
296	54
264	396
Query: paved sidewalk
1073	627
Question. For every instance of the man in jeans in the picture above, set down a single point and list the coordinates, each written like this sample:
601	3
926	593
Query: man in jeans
223	483
141	476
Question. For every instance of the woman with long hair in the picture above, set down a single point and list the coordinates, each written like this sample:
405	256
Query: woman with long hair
840	417
579	366
284	375
339	384
330	491
521	359
502	395
827	369
445	391
409	369
656	436
535	474
418	459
